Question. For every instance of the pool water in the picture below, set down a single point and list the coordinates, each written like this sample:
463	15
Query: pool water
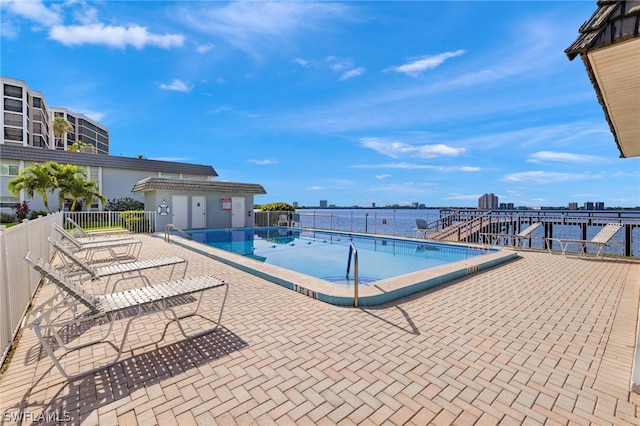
325	255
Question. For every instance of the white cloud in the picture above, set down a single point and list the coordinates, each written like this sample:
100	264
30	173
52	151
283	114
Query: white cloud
404	187
424	63
263	162
403	166
352	73
542	177
383	176
254	27
398	149
315	188
203	48
113	36
34	11
177	86
463	197
339	65
565	157
301	62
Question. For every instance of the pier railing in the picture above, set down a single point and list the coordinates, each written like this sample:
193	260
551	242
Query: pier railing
467	225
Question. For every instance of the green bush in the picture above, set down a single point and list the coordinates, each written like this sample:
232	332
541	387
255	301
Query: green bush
35	213
124	204
277	207
7	218
135	221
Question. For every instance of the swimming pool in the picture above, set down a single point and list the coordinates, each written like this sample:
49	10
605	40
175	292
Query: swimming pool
325	255
315	262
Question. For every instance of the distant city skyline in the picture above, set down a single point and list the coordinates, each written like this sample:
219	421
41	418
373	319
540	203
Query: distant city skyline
586	205
352	102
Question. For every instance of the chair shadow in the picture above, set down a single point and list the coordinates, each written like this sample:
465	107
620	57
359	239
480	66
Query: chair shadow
76	400
72	332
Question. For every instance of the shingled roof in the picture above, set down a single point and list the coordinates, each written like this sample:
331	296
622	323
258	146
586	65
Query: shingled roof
39	155
155	183
613	22
609	45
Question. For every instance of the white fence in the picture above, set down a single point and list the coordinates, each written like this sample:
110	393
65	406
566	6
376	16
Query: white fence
133	221
18	281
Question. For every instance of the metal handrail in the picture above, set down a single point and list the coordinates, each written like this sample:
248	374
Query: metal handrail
167	232
354	251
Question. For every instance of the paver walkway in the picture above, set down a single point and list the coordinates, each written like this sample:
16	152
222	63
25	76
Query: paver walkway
545	339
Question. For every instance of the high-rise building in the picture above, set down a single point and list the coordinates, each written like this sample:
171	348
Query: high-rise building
572	206
323	204
488	202
27	121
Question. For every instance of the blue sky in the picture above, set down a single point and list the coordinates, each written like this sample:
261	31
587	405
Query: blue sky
352	102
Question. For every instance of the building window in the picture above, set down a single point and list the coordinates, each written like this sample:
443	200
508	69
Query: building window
37	102
12	119
13	91
8	202
9	169
12	105
39	142
12	134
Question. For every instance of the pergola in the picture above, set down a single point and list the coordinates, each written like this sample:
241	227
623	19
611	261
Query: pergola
609	45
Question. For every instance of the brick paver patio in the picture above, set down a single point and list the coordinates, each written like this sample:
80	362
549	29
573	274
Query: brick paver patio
545	339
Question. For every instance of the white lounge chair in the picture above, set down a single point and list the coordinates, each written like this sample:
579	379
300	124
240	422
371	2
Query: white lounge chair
74	265
421	228
601	240
518	239
80	232
131	247
127	305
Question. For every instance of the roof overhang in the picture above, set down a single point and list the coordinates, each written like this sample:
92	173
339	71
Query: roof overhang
188	185
615	74
609	45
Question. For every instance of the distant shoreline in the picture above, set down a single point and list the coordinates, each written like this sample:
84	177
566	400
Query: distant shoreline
608	209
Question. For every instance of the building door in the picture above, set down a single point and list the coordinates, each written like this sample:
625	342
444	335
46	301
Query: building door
198	213
180	211
237	212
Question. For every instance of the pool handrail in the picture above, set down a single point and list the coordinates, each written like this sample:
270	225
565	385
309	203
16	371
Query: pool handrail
353	250
167	232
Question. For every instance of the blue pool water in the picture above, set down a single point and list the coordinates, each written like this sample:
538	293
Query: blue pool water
324	255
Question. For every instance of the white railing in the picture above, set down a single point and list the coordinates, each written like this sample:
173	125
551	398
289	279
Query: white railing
18	281
138	222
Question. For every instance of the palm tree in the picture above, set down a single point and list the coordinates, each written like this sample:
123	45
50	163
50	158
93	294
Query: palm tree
65	175
37	179
80	188
61	127
79	146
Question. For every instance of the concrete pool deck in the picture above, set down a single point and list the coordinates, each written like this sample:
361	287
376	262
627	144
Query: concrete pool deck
544	339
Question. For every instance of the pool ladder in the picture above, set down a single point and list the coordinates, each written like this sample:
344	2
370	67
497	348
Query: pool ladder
167	232
353	251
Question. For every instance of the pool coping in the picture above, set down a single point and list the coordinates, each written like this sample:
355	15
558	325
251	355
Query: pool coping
374	294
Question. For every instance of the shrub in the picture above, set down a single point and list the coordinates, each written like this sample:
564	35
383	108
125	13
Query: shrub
277	207
124	204
22	210
135	221
35	213
7	218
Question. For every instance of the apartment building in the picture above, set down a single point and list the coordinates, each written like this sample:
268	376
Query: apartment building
28	121
488	202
